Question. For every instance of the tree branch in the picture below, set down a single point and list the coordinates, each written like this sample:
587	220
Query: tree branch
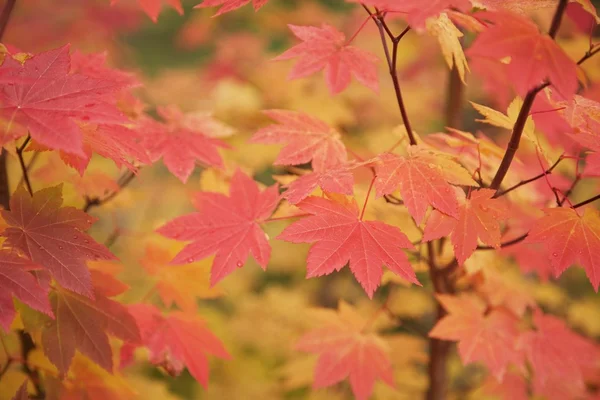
526	181
517	131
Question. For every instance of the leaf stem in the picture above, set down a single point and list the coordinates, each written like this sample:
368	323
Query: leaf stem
362	213
287	217
360	28
20	150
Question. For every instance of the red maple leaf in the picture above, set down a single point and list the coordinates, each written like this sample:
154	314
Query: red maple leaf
334	180
558	357
342	237
226	226
230	5
53	236
183	140
177	340
479	217
326	48
307	138
592	164
115	142
535	57
153	7
82	324
48	101
487	337
570	238
346	351
423	178
15	280
417	11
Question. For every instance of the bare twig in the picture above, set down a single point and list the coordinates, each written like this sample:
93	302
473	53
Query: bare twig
588	201
123	181
24	171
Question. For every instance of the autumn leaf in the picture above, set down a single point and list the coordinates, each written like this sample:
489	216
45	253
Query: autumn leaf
48	101
183	140
179	284
558	357
486	337
21	393
177	340
230	5
153	7
417	12
342	237
326	48
83	324
448	35
479	217
424	178
346	351
570	238
53	236
337	179
226	226
307	139
15	280
535	57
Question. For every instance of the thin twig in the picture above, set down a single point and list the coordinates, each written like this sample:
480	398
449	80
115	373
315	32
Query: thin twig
122	182
25	177
392	61
526	181
588	201
505	244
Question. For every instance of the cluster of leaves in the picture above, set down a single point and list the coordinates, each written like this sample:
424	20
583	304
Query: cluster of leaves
463	196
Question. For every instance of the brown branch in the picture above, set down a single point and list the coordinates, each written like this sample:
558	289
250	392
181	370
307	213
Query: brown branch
526	181
27	346
569	191
589	54
123	181
392	61
515	137
505	244
24	171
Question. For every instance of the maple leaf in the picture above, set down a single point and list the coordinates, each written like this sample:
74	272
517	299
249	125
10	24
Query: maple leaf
82	324
94	66
326	48
423	178
346	351
230	5
535	57
558	356
179	284
570	238
177	340
15	280
487	337
47	100
116	142
307	138
53	236
183	140
153	7
479	216
448	35
334	180
417	12
341	237
226	226
592	164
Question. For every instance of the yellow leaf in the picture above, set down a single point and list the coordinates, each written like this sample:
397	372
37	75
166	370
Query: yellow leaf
586	316
448	35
